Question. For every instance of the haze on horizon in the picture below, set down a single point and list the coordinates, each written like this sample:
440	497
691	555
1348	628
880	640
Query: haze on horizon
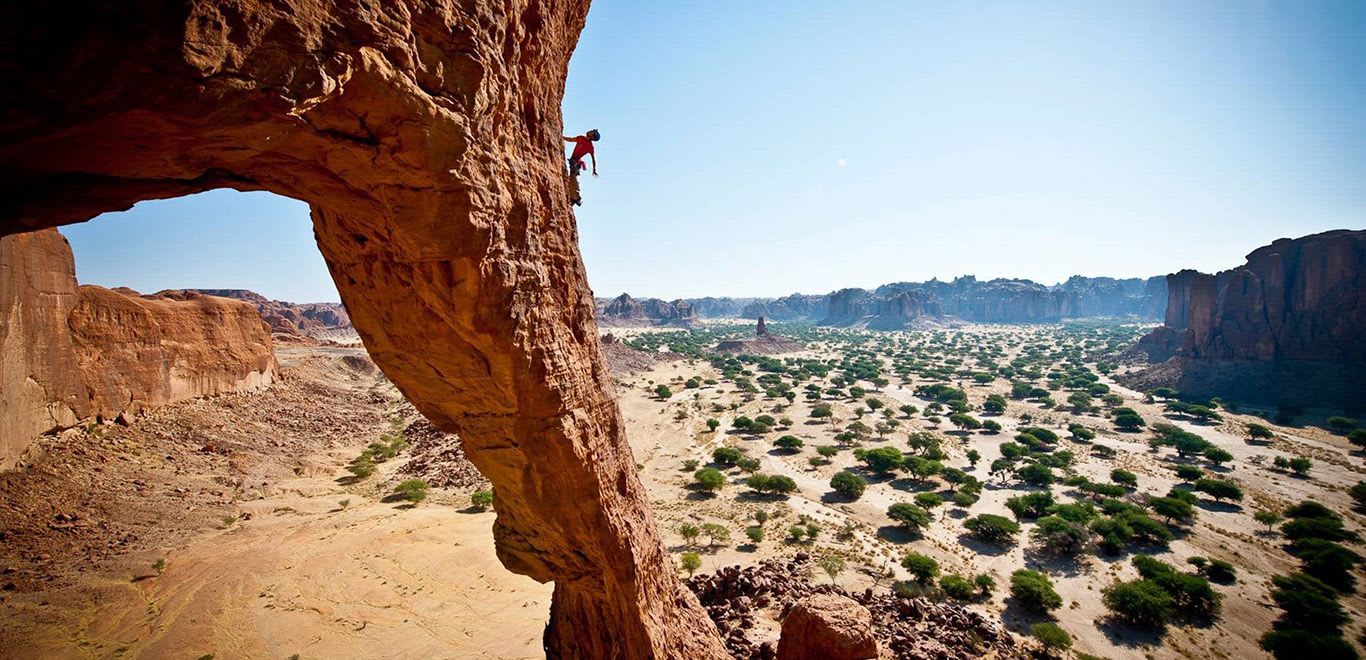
766	148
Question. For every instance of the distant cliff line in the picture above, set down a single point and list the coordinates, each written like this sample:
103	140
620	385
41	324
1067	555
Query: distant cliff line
906	304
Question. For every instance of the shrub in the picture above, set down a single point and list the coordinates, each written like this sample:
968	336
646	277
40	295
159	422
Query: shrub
1189	472
689	533
1328	561
848	484
993	528
957	587
963	499
361	467
726	456
1052	637
923	568
755	534
883	459
1035	474
928	501
1030	505
709	479
1034	591
413	490
1220	490
1124	477
771	484
690	562
1060	535
1141	602
1268	518
481	499
1217	455
1301	466
663	391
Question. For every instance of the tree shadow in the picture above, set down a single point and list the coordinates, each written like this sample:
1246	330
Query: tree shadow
898	534
981	547
1221	507
756	496
1055	564
1128	636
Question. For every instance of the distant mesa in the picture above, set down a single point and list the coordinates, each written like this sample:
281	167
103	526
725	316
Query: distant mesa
1285	327
319	320
763	342
904	305
625	311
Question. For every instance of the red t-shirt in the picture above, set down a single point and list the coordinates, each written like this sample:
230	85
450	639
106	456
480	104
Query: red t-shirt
582	147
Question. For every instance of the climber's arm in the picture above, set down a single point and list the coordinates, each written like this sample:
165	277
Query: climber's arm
594	158
567	139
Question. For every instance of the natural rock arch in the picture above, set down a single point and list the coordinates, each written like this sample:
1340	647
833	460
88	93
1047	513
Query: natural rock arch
424	136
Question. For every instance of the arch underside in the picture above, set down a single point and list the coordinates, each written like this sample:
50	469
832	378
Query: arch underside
425	139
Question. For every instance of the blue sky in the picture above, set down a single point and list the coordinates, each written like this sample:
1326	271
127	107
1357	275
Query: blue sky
767	147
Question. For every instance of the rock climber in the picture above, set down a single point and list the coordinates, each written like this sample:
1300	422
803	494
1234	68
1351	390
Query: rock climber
583	146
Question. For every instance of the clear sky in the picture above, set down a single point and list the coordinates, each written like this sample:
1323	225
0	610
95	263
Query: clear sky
772	146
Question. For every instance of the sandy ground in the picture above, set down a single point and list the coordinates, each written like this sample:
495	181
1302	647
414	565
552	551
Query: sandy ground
299	573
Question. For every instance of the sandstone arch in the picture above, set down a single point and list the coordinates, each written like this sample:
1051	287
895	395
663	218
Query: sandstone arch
424	136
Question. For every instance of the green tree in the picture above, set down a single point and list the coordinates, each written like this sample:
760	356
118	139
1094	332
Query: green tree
832	564
790	443
993	528
715	533
1220	490
1217	455
481	499
973	456
882	459
921	567
709	479
691	562
713	424
909	516
1268	518
1034	591
662	391
1053	638
689	533
848	484
1140	602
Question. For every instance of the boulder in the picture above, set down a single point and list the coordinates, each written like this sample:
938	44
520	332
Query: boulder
827	627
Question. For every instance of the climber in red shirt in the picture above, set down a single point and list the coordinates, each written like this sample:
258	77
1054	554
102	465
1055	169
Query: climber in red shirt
583	146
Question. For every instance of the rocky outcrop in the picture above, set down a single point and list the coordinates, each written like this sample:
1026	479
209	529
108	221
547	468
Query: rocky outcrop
627	311
425	138
827	627
309	319
73	353
764	342
1287	326
1301	299
905	628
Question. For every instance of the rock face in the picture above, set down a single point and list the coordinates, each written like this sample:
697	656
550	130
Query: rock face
1301	299
627	311
425	137
1289	326
72	353
827	627
286	317
891	311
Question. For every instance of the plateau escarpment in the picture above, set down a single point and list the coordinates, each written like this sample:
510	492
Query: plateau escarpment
905	304
1288	324
425	138
309	319
624	311
70	353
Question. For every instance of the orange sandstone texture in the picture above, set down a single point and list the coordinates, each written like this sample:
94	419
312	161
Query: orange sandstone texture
425	138
72	353
827	627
